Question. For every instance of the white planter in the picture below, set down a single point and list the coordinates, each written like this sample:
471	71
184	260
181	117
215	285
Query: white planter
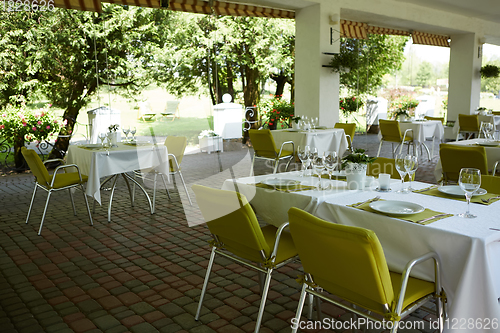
355	176
402	117
211	143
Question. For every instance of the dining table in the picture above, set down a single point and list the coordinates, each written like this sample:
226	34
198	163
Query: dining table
486	118
468	248
324	139
492	152
97	162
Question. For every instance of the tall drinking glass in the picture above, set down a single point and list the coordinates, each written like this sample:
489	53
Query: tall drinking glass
302	154
411	165
330	162
469	181
400	166
319	167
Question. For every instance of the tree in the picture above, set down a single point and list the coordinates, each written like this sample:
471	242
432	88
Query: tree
71	53
424	74
368	61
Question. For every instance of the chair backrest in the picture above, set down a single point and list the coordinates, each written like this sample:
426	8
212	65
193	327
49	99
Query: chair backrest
491	183
230	217
349	128
176	145
496	113
390	130
468	122
36	165
383	165
263	142
454	157
441	119
171	106
346	261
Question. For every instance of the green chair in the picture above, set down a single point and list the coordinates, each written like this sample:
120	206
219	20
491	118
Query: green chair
265	148
349	130
441	119
55	182
491	183
392	133
383	165
237	235
357	273
454	157
468	124
171	110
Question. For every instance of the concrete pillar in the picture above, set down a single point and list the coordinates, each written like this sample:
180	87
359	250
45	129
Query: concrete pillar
316	87
465	80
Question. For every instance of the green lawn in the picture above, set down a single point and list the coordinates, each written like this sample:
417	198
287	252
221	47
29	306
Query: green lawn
188	127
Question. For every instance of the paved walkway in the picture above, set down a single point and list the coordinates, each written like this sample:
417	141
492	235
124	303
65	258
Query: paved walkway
141	272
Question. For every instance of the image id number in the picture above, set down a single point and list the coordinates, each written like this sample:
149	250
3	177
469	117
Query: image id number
27	5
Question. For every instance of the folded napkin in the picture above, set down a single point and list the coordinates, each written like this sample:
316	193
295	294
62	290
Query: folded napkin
419	218
433	190
288	188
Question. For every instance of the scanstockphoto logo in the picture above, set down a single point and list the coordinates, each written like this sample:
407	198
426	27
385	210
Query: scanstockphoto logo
361	324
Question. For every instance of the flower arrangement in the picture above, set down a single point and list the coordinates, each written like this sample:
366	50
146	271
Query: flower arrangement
277	110
357	160
207	134
20	124
350	104
113	128
404	105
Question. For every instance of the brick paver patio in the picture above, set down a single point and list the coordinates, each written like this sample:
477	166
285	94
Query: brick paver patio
141	272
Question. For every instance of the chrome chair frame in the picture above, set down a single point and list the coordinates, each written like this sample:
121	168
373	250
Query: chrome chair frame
276	160
50	190
441	310
266	270
399	144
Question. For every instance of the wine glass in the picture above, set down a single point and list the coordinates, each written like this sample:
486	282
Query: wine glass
330	162
469	181
133	133
318	166
102	137
411	165
316	122
400	166
302	154
126	131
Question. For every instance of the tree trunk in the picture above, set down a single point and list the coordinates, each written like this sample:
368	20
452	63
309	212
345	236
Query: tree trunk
19	161
62	143
280	80
230	78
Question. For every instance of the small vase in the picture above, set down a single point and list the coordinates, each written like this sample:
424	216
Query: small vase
355	176
402	117
113	138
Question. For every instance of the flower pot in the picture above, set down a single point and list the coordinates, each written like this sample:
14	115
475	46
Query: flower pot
355	176
402	117
211	143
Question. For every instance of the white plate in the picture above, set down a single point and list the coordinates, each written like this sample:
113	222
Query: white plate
92	145
280	182
456	190
488	143
394	207
338	173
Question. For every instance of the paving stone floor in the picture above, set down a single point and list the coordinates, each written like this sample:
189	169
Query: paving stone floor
140	272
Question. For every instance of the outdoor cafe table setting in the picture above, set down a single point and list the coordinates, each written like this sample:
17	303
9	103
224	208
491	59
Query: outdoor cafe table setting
332	139
469	249
97	162
492	152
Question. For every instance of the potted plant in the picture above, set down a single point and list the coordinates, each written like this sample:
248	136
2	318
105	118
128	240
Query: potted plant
350	105
277	110
401	115
210	141
403	106
355	166
490	71
113	134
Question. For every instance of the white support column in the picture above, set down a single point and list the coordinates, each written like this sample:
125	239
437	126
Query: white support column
316	87
465	80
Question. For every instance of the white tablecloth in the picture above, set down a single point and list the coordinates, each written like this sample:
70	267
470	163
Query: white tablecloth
98	163
422	129
468	249
495	120
325	140
492	155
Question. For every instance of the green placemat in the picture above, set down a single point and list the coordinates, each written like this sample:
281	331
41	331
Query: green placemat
420	218
290	188
325	176
91	148
433	190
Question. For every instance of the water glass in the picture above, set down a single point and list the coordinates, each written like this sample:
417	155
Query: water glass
126	131
318	166
133	133
469	181
400	166
411	165
330	162
303	155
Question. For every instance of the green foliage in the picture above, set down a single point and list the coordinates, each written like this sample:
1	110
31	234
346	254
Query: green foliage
358	157
424	74
368	60
350	104
491	84
19	123
490	71
276	110
401	102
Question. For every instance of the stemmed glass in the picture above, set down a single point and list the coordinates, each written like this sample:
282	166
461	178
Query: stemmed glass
330	162
487	129
126	131
469	181
319	167
411	165
102	137
400	166
303	155
133	133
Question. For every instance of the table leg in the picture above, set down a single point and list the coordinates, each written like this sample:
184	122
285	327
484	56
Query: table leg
129	191
111	197
142	189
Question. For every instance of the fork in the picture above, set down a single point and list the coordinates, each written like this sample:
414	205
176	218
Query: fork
492	198
367	201
432	217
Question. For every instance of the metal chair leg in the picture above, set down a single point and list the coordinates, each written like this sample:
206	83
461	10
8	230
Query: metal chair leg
166	188
263	300
379	147
288	164
310	306
185	188
300	306
251	167
44	211
154	193
31	204
205	283
72	201
276	163
87	204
